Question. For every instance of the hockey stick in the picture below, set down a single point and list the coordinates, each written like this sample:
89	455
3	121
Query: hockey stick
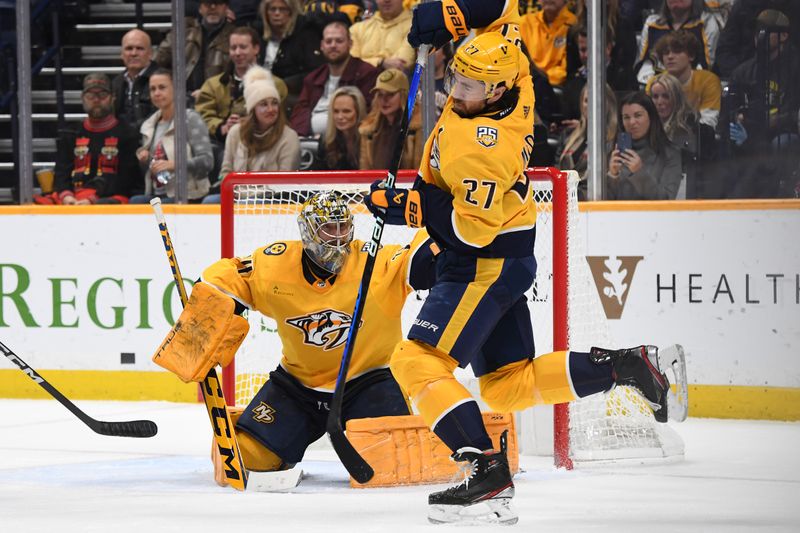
211	387
134	428
351	459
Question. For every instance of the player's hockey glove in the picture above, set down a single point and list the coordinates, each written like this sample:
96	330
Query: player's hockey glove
395	206
437	23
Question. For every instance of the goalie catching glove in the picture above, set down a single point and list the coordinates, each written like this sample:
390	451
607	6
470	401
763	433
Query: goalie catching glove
207	333
395	206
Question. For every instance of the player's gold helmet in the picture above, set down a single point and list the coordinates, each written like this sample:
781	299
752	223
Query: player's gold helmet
326	228
481	65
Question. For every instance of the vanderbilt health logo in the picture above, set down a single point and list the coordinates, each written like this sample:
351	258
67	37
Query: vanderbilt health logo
613	277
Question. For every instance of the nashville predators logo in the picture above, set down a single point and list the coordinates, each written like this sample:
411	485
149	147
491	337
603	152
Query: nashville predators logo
326	329
487	137
263	413
275	249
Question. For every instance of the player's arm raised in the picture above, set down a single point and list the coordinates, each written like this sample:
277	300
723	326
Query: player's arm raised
438	22
210	329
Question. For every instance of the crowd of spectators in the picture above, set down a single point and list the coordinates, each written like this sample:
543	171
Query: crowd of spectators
702	101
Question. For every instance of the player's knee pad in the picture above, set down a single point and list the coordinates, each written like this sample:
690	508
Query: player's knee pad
414	364
510	387
426	374
529	382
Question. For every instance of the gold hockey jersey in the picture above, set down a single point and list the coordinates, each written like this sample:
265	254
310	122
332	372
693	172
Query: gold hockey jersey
314	315
480	161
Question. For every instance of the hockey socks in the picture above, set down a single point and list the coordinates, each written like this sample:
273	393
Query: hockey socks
463	427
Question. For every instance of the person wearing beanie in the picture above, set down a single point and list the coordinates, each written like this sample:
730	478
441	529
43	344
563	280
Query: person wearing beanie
380	130
262	140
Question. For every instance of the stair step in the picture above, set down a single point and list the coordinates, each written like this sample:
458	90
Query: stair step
128	10
6	165
100	52
49	97
39	145
82	71
48	117
122	26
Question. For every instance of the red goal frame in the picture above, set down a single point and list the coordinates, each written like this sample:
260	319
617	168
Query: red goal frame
560	214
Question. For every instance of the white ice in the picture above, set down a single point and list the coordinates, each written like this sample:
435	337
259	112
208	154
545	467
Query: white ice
56	475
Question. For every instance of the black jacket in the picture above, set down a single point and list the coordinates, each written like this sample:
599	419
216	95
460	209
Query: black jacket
135	107
297	55
736	40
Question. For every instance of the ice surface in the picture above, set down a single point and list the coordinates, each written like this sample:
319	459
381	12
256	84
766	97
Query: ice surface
56	475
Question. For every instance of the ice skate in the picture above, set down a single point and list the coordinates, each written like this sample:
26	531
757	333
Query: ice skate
638	368
483	497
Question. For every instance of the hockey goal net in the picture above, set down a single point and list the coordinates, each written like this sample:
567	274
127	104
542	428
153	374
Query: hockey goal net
259	208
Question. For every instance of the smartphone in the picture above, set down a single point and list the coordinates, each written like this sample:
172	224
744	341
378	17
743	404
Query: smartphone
624	141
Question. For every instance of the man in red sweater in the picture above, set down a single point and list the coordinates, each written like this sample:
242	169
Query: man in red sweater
97	163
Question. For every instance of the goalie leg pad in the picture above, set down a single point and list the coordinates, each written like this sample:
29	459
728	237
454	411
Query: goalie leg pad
403	451
255	456
206	334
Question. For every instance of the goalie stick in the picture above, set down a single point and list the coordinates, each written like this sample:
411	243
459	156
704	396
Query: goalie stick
211	387
351	459
134	428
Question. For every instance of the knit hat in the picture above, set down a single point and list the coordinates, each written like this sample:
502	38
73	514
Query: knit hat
258	85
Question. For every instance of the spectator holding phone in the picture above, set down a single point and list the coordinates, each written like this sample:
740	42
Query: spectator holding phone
645	165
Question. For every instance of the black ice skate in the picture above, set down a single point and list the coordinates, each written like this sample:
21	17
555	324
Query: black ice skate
638	368
484	497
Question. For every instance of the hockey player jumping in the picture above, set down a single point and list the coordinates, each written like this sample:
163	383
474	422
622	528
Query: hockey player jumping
474	198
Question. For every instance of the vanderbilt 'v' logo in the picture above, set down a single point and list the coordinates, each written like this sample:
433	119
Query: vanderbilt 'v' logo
613	277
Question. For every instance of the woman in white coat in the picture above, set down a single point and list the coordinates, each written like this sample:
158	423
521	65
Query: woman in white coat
157	153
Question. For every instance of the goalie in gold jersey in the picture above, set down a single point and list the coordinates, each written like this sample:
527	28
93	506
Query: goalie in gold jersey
473	196
309	288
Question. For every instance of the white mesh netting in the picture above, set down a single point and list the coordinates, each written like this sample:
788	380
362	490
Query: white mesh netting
612	427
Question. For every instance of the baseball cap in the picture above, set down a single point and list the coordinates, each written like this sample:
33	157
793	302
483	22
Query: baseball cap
391	80
772	18
96	81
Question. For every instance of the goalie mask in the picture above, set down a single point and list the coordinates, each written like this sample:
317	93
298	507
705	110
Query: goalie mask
326	228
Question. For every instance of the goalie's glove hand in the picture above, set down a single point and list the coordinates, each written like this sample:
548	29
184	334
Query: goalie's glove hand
437	23
396	206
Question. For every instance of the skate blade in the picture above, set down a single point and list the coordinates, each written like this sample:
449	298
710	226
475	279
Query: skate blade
494	511
674	358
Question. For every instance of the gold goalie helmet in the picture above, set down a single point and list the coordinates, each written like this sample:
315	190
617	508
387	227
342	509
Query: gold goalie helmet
326	228
480	66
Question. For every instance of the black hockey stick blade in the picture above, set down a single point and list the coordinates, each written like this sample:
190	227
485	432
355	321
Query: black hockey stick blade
135	428
355	464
